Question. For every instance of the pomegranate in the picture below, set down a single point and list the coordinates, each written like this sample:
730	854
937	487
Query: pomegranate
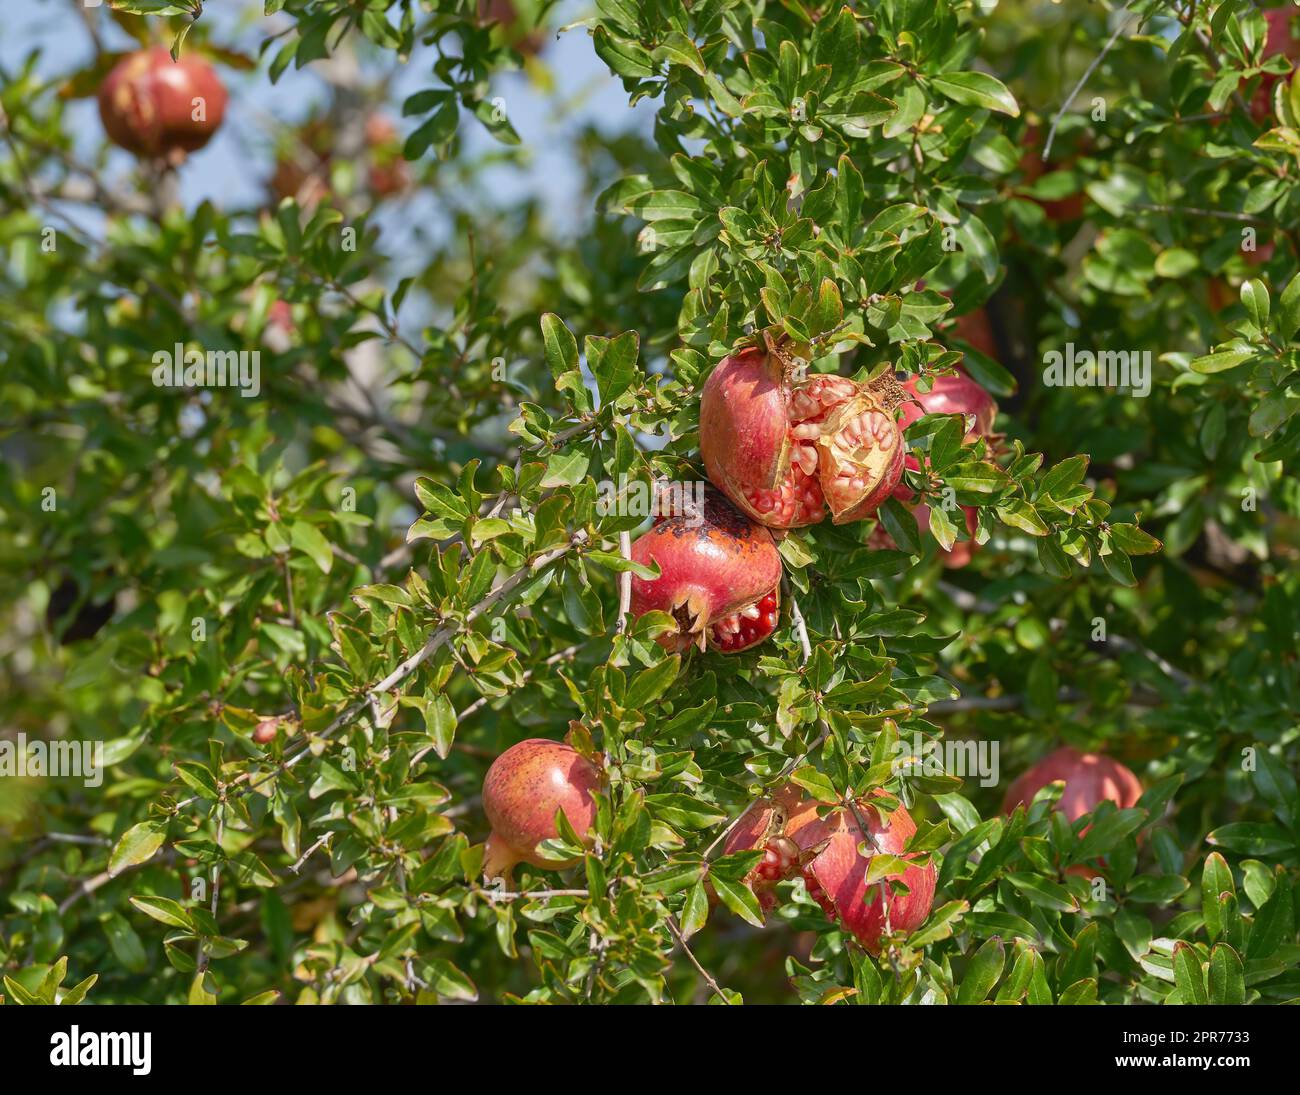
719	578
264	731
522	791
950	394
1279	40
957	394
763	826
785	451
156	107
836	874
1089	779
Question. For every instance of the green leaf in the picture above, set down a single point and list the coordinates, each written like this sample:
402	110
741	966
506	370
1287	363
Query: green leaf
739	898
1287	319
1227	976
309	540
137	845
165	911
985	969
977	89
1188	975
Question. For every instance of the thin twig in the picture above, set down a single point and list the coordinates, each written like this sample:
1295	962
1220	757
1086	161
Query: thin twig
708	977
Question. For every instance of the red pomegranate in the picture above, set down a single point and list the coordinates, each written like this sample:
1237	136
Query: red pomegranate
956	394
523	789
1279	40
763	826
1089	779
156	107
836	875
785	450
719	578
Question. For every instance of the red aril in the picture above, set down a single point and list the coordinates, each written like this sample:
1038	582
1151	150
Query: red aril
785	450
719	578
524	788
156	107
763	826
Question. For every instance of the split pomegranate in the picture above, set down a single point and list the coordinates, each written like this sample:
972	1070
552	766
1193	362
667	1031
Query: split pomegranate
719	578
785	451
763	826
1090	778
524	788
836	875
156	107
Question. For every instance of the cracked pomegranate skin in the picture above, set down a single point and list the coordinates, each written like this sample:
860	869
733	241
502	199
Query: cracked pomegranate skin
763	825
720	578
836	877
147	103
522	791
786	451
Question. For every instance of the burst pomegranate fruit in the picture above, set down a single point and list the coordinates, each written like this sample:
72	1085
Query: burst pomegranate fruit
719	578
763	826
786	451
836	874
524	788
1090	778
156	107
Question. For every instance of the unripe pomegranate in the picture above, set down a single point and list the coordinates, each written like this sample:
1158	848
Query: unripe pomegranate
719	578
264	731
522	791
156	107
836	875
1089	779
784	450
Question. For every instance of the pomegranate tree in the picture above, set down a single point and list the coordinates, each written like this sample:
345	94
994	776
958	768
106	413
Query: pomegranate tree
159	108
836	876
785	449
522	791
719	578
